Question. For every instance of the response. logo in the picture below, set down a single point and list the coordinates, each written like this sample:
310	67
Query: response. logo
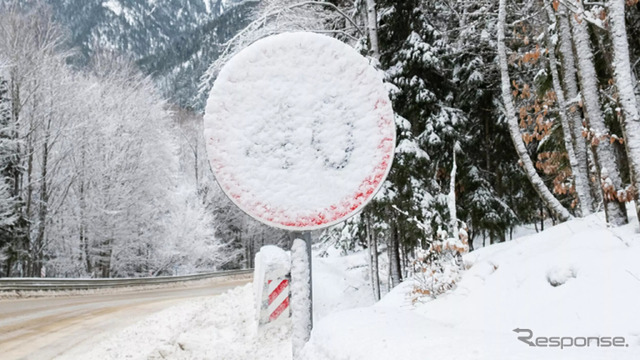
569	341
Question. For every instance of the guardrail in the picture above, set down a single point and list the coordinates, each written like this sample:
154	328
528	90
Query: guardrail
34	284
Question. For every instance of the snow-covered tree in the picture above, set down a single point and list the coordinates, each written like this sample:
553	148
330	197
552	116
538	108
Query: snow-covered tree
96	173
580	177
8	213
31	44
570	84
614	192
624	80
510	113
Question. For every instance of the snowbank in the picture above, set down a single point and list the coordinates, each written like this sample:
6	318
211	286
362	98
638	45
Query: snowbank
340	283
224	327
578	279
221	327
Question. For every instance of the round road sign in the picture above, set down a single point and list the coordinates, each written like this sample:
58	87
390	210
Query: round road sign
299	130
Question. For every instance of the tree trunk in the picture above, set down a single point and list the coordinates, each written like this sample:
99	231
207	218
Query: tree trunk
27	246
376	266
104	262
580	178
372	243
372	29
596	189
84	241
451	198
394	256
514	128
623	77
609	172
43	207
570	82
541	217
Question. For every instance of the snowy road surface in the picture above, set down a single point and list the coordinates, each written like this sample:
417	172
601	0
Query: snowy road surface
44	328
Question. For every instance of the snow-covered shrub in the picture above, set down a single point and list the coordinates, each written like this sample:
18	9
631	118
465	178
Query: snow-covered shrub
438	268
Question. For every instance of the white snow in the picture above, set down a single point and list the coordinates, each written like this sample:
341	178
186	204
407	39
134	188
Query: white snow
300	296
224	327
407	146
114	6
217	328
577	279
341	283
300	131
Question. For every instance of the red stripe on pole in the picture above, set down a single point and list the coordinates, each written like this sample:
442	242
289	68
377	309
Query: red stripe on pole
283	285
276	313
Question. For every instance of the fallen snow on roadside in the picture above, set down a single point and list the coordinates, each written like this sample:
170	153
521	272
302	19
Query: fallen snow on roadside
340	283
224	328
220	327
577	279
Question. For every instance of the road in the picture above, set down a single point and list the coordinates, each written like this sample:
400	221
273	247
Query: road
46	328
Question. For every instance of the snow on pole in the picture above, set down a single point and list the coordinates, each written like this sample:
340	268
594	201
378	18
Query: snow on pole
271	284
301	311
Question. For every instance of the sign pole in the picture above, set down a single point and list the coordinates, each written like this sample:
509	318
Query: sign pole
301	291
306	236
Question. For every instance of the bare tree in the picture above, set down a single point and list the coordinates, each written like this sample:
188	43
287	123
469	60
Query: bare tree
514	130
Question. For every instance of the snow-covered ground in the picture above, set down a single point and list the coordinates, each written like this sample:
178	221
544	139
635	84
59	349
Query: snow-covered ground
578	279
574	281
223	327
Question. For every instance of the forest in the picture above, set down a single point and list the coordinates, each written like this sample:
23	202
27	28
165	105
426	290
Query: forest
507	112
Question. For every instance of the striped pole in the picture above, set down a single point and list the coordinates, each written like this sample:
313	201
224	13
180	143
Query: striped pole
278	302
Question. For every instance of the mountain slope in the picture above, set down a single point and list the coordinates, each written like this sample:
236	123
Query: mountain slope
174	41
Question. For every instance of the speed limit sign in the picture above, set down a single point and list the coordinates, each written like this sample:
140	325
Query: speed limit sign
300	131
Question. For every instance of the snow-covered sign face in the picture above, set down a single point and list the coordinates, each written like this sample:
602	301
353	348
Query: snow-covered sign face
299	131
